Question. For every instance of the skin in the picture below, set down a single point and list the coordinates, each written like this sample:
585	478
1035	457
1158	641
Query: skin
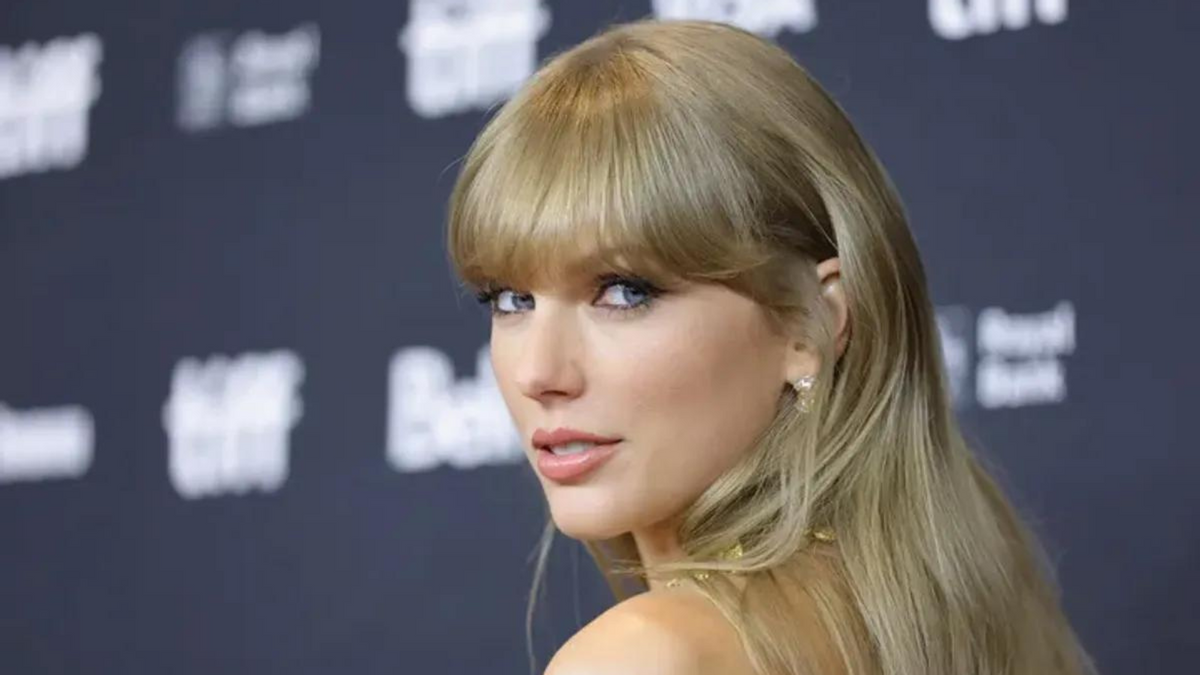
688	381
677	631
659	633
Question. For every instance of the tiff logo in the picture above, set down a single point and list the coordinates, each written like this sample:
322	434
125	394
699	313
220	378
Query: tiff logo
228	422
959	19
469	54
46	93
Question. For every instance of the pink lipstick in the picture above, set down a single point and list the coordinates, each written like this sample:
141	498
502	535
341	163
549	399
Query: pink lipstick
564	468
573	465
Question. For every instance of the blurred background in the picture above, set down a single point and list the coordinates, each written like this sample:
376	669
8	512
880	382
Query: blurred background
246	419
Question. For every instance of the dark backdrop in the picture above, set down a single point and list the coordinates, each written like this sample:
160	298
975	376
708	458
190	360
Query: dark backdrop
246	424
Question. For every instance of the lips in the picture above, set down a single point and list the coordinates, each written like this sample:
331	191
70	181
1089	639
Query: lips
574	467
543	439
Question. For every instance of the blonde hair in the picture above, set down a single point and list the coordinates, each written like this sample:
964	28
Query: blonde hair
698	150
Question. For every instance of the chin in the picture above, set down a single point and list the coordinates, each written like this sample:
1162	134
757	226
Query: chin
584	516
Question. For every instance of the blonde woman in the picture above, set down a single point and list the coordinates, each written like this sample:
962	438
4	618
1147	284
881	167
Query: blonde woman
712	328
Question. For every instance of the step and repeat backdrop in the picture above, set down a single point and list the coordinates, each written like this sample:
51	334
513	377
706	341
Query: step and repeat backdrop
247	423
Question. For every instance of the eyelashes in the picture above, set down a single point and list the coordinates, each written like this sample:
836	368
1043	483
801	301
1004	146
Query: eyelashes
488	296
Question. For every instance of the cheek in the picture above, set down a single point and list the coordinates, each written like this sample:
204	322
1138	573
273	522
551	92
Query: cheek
698	400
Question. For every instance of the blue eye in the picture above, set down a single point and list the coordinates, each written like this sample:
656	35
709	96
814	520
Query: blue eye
638	288
496	298
627	290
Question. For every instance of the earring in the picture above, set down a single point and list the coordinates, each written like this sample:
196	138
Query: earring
804	392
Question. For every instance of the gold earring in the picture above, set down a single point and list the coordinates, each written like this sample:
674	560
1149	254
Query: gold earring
804	392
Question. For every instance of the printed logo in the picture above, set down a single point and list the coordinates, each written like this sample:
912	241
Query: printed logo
436	419
469	54
248	79
1018	360
959	19
765	17
46	93
228	422
1020	356
45	443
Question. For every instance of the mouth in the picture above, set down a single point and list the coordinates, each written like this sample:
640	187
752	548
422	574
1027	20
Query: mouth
571	462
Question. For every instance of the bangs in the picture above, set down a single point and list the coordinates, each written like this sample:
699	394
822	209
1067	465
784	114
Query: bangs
584	170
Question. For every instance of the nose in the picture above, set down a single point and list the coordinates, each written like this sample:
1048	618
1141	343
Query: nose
549	351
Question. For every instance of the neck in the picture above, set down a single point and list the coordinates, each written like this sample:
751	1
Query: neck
658	544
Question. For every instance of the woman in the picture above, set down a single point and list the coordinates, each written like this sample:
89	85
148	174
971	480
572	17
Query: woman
712	329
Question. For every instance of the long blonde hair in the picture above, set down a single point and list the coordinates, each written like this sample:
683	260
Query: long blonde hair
699	150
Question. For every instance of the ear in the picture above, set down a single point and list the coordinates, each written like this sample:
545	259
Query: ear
802	361
830	273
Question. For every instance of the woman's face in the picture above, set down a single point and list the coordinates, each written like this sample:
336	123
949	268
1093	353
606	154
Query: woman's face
686	378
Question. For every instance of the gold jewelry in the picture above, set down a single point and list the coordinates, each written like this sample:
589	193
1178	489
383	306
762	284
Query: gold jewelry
824	534
820	534
732	553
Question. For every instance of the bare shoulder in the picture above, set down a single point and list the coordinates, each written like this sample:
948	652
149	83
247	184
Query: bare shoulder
664	632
